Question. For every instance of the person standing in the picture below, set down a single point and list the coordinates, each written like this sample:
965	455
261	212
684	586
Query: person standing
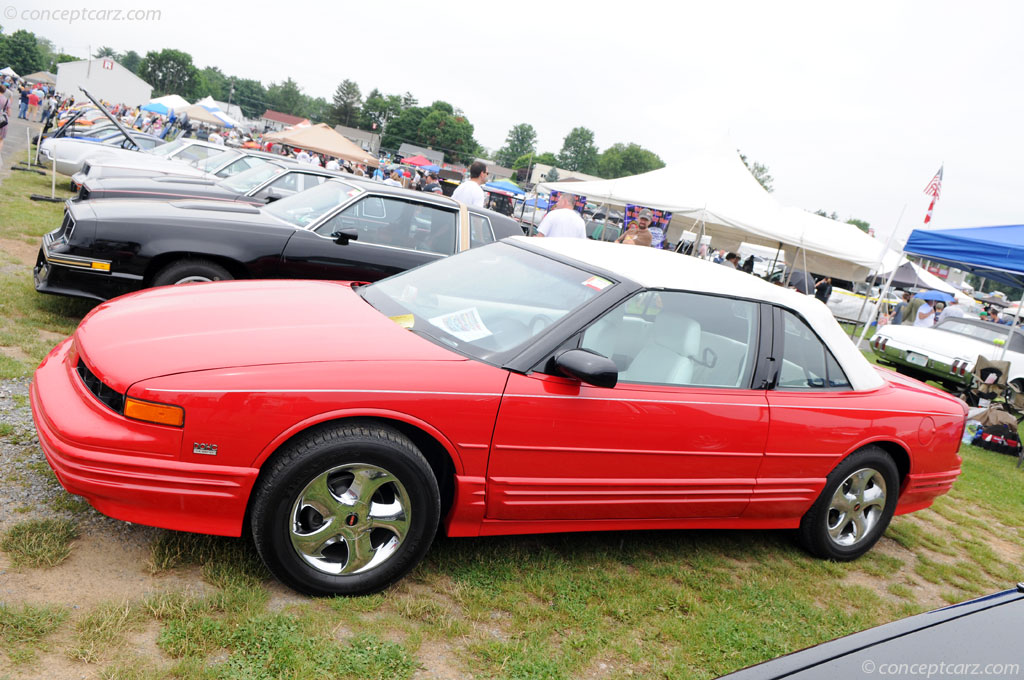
24	92
910	315
470	191
823	289
639	232
952	311
5	112
563	221
899	312
731	260
925	316
392	178
333	165
431	185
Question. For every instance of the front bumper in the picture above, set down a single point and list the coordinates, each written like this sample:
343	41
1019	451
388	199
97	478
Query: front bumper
75	276
127	469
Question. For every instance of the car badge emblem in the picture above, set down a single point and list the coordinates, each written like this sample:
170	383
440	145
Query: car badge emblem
351	520
204	449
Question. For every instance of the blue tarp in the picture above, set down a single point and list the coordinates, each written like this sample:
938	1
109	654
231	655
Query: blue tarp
538	202
502	185
995	253
156	108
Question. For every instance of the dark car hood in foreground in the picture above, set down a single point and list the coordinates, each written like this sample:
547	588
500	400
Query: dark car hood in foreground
164	188
964	639
178	329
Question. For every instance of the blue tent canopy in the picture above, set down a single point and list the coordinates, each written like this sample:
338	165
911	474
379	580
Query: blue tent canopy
156	108
995	253
541	203
502	185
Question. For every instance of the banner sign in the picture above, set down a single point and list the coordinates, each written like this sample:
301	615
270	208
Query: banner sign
659	225
581	201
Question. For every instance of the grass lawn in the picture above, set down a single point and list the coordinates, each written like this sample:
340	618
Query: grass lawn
656	604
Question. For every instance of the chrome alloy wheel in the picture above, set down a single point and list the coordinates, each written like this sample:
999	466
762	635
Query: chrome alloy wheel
350	519
193	279
857	506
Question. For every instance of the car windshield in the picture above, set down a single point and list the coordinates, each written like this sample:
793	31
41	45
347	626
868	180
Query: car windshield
244	182
486	301
305	208
215	161
166	150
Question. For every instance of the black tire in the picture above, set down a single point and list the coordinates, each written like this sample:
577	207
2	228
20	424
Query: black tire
191	271
847	541
309	550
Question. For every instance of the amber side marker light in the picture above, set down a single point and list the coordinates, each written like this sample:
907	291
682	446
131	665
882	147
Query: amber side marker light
164	414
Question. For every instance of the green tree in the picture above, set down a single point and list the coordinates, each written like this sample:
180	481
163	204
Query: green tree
578	151
444	106
131	60
520	141
759	171
21	52
378	109
286	97
105	52
449	133
170	72
546	158
214	83
860	224
833	216
347	99
317	109
552	175
623	160
409	101
405	127
250	95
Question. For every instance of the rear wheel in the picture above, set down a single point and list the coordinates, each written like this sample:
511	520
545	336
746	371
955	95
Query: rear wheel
346	510
854	508
190	271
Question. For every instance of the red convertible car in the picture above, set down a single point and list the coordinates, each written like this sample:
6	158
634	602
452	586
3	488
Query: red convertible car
530	385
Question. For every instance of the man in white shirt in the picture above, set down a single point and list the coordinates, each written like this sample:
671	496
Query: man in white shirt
303	157
563	221
925	315
469	192
333	164
952	310
392	178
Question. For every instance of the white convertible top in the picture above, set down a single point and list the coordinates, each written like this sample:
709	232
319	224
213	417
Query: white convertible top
653	268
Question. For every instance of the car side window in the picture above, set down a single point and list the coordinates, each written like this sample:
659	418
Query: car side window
397	222
196	152
310	181
480	231
287	183
240	165
676	338
806	362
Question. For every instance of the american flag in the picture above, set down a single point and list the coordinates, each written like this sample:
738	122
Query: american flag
935	186
933	189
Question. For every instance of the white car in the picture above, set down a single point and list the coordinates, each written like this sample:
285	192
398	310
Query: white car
72	154
947	353
219	164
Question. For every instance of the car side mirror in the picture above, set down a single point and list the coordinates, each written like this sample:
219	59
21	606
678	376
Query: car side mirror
588	367
271	194
343	236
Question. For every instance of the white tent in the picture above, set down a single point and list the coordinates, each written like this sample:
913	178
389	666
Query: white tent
213	108
8	71
174	103
715	192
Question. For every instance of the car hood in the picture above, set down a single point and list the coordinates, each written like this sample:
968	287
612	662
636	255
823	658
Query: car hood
139	163
937	342
157	187
179	329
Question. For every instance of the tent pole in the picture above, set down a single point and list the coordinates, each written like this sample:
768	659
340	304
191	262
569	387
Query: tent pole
873	275
789	274
878	308
775	261
1016	318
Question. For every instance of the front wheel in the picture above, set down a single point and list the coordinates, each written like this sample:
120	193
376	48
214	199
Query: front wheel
346	510
191	271
854	508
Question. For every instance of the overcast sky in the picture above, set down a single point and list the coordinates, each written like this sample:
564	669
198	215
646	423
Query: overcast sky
853	109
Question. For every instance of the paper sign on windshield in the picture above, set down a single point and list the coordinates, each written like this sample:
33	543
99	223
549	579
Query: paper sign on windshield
465	324
597	283
404	320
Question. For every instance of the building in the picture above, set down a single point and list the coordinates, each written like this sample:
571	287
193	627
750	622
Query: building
276	121
105	79
369	141
410	150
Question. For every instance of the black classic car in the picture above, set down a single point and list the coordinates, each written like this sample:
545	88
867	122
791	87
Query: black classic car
264	183
342	229
973	638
